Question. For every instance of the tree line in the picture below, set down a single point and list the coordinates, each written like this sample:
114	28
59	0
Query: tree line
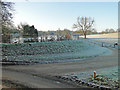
8	27
109	31
83	25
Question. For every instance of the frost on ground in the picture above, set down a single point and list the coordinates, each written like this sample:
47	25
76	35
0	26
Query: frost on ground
108	35
111	72
106	39
53	51
107	78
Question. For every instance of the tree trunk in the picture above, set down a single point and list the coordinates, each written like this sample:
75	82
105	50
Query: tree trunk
85	36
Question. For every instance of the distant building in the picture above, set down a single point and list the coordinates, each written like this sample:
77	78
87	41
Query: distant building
15	36
51	36
76	36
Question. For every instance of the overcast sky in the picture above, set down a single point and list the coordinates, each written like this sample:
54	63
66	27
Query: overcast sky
53	15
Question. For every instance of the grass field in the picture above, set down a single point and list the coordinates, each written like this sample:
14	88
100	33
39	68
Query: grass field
57	50
109	35
110	38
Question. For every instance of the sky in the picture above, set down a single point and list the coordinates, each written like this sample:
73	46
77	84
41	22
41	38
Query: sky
53	15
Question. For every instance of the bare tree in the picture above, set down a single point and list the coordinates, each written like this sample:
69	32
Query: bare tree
6	13
84	24
6	23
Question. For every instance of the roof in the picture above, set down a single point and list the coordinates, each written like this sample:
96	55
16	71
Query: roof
76	34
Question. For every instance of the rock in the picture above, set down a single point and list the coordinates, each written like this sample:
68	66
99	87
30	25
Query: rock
101	87
74	77
59	77
77	80
82	82
64	77
96	86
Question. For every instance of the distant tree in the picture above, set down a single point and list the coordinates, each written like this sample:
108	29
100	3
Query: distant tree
84	24
94	31
21	28
107	30
63	34
111	30
28	31
78	31
67	34
6	12
59	34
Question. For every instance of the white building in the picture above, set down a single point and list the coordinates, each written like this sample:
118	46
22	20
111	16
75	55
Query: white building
15	37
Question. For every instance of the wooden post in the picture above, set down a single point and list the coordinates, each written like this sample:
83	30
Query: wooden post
94	74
